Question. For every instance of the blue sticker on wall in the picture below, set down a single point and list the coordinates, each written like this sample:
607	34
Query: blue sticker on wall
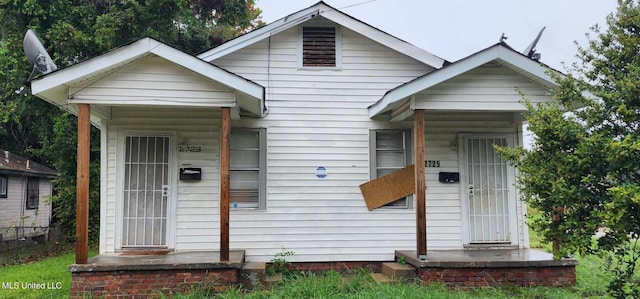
321	172
235	204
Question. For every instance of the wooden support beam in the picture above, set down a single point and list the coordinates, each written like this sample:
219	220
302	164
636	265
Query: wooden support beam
557	217
82	184
225	152
421	187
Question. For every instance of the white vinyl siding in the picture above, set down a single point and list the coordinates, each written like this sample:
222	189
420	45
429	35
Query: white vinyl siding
14	213
248	169
315	117
154	81
318	117
491	87
390	151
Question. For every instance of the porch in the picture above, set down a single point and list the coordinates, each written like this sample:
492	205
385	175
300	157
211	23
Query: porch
468	268
144	276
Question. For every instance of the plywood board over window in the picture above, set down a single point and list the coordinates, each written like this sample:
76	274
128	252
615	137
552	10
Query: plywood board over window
388	188
390	151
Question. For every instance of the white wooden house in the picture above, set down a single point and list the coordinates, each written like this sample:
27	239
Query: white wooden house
320	103
24	190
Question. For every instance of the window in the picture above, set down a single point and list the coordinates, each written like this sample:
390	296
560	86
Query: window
33	193
248	169
320	47
4	186
390	151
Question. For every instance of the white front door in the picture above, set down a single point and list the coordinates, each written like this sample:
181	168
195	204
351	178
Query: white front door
487	187
145	191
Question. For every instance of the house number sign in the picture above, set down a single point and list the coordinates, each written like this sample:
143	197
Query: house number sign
190	148
432	163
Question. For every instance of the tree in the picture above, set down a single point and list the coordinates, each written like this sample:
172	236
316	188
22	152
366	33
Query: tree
583	171
76	30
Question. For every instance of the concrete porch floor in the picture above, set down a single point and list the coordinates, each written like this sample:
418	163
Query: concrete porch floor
484	258
190	260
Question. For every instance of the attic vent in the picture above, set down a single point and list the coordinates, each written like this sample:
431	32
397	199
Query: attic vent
319	46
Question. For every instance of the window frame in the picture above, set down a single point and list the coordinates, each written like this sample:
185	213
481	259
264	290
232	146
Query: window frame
338	48
262	167
29	204
373	167
4	189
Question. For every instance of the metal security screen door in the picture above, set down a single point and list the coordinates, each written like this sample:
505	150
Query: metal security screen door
487	190
146	179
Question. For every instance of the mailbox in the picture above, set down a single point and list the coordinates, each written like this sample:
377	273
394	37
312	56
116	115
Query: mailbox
190	174
449	177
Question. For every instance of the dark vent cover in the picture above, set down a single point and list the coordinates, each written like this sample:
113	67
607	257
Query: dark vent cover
319	46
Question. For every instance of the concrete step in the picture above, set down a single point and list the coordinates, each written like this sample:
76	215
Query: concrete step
397	271
380	278
252	274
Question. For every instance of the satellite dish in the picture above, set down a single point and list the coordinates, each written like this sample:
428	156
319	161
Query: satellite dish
37	54
530	51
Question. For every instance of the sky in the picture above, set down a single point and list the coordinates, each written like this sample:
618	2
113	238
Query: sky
454	29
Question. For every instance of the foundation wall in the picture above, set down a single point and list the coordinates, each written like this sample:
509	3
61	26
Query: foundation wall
561	276
148	284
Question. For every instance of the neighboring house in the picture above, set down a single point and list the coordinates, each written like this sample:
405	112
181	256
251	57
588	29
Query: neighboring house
25	187
320	103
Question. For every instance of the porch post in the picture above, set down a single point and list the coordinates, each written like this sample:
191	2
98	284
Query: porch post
421	188
82	185
225	144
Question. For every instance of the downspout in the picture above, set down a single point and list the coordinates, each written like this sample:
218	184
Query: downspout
23	203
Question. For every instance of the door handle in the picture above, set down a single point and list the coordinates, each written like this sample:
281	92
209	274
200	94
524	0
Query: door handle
470	189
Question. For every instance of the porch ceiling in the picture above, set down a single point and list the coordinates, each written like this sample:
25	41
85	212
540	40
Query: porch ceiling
148	73
484	81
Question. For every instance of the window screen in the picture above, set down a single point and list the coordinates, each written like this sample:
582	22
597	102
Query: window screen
247	177
391	154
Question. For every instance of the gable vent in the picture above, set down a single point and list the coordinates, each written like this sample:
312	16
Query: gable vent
319	46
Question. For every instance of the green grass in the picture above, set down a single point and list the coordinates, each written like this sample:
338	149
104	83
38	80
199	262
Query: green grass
52	270
591	284
360	285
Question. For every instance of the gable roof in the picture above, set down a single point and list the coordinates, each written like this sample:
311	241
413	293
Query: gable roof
499	53
332	14
11	163
54	87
